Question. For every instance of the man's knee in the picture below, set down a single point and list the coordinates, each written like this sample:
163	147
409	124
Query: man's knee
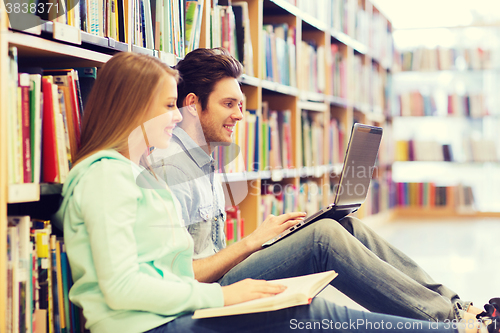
327	231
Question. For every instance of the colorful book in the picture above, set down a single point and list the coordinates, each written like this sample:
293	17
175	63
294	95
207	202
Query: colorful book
36	126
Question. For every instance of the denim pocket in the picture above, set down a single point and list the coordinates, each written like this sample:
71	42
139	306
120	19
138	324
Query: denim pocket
201	229
205	213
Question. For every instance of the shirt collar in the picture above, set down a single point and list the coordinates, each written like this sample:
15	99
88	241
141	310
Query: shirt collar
192	148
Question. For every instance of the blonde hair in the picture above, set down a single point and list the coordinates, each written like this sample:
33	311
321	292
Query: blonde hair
119	100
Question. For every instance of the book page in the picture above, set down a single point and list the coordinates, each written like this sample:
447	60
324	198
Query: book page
300	290
307	285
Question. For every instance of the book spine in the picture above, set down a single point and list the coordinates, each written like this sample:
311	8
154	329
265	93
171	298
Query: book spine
36	126
77	104
49	150
24	84
61	308
55	288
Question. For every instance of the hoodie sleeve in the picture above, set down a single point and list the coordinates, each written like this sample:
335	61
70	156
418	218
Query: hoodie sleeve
109	204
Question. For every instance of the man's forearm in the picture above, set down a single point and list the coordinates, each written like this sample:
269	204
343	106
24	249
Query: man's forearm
212	268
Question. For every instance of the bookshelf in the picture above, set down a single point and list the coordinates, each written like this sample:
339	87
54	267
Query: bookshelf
323	56
445	111
3	172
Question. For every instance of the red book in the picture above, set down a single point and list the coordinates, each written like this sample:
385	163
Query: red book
24	84
76	107
450	104
72	76
241	227
230	231
420	202
50	168
432	194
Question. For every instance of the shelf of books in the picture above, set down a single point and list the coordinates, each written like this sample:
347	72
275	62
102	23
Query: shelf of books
445	128
316	99
311	71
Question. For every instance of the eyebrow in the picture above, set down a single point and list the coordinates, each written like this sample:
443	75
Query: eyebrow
232	99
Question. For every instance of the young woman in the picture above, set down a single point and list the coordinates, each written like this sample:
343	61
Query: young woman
130	254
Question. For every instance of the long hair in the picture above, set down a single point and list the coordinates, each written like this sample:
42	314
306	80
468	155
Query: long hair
201	69
118	101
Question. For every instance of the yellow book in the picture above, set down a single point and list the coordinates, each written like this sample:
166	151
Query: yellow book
125	20
402	150
300	290
42	243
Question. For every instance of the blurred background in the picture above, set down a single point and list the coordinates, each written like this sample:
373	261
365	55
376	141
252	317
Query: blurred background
446	87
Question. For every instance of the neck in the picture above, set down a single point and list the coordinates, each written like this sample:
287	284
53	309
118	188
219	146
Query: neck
194	130
133	154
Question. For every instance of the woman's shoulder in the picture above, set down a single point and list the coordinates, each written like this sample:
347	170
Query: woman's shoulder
103	166
106	160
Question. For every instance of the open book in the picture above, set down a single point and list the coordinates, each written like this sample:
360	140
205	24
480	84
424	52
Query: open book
301	290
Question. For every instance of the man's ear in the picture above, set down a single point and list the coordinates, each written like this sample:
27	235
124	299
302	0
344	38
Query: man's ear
189	104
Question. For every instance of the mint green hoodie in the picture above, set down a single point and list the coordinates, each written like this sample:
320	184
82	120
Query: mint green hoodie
130	255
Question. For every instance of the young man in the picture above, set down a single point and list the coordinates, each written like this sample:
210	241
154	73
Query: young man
371	271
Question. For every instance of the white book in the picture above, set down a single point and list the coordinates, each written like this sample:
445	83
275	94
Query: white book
197	26
300	290
14	145
13	292
23	251
167	38
321	70
62	157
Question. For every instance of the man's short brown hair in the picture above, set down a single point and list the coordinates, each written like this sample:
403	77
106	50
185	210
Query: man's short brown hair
201	69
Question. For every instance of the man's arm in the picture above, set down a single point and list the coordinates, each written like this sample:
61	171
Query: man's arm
212	268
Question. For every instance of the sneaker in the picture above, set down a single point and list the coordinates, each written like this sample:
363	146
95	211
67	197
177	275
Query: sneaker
491	315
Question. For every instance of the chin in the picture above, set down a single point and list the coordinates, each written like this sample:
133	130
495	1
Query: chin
225	141
163	144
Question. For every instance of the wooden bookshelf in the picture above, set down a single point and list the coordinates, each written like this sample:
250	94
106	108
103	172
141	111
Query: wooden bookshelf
422	99
280	97
42	49
3	168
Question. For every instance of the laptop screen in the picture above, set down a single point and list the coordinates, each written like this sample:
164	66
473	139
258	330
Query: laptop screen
359	164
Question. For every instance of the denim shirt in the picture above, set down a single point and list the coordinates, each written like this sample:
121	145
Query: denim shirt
189	172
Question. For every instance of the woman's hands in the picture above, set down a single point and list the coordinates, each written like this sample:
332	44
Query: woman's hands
271	227
249	289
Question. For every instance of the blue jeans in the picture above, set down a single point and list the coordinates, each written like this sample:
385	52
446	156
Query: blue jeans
320	315
371	271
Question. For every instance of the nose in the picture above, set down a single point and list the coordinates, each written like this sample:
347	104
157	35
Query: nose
238	114
177	116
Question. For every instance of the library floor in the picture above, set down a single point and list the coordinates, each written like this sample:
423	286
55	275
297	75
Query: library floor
461	253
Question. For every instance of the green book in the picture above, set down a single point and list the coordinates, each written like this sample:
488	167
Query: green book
36	126
190	17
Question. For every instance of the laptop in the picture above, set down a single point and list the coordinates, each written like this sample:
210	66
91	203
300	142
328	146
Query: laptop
357	171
